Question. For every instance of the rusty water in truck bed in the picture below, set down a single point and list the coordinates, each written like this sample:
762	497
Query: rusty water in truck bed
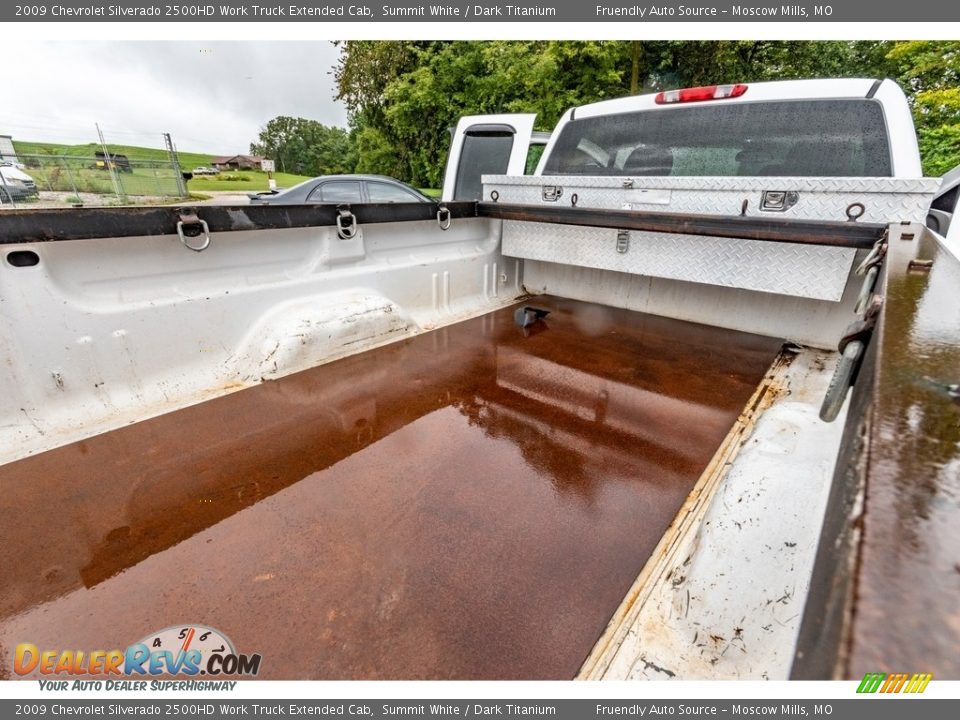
473	502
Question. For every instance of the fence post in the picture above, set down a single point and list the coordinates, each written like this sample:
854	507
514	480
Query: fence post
122	197
111	165
73	183
43	170
175	162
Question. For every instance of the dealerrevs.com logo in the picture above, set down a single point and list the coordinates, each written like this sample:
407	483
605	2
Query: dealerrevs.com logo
190	650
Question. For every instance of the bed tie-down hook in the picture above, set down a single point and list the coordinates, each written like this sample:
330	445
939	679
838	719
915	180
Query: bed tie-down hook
443	217
870	267
189	225
346	223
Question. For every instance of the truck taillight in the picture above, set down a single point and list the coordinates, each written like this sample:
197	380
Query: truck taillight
697	94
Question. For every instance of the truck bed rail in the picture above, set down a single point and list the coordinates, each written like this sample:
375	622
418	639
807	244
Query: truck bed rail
807	232
28	226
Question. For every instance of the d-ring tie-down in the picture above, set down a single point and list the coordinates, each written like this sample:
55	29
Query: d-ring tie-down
191	221
443	217
346	223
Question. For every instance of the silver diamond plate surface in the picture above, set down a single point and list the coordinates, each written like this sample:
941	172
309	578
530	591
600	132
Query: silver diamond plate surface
782	268
885	200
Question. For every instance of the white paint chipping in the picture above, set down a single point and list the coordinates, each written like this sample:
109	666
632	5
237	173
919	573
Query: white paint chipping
728	604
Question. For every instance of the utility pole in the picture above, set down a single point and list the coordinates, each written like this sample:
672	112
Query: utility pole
175	164
108	159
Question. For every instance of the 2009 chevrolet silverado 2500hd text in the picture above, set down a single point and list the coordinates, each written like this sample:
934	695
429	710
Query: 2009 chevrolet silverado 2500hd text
334	433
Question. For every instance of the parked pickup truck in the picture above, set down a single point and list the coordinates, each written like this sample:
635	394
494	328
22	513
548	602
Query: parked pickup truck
593	422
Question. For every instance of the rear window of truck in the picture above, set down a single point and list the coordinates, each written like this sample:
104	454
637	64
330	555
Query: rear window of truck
808	138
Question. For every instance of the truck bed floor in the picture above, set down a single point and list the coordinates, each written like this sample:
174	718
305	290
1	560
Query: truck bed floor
473	502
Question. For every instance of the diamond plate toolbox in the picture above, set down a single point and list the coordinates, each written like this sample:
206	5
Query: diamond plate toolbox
782	268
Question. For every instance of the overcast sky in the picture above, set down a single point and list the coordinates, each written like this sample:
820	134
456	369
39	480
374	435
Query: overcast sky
212	97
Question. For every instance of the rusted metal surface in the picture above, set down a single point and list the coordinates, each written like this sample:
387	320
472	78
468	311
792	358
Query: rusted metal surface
685	524
805	232
906	616
474	502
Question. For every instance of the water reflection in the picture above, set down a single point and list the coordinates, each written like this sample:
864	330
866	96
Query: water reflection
416	511
909	579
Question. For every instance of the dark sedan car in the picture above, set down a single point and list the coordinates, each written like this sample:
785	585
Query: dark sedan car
343	189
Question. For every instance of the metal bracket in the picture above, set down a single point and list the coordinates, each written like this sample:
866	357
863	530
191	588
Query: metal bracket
527	315
861	330
623	241
552	193
778	200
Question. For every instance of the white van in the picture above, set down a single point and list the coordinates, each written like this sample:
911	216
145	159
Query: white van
15	184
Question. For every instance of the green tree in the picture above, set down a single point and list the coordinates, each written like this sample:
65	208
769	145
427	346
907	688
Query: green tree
364	71
673	64
373	153
404	96
930	72
303	146
416	91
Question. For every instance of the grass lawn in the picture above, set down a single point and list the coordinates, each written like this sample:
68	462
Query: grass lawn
145	181
188	161
243	180
142	181
79	177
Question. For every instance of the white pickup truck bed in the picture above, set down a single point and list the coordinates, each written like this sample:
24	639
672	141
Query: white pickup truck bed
341	451
474	502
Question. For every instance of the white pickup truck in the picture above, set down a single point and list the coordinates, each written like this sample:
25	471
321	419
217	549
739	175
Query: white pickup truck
592	422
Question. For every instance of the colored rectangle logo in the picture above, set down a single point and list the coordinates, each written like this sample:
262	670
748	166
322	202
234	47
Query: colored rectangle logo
888	683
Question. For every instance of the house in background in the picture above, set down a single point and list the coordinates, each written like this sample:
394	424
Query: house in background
237	162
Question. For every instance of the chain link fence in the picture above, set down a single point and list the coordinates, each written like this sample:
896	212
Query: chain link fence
67	180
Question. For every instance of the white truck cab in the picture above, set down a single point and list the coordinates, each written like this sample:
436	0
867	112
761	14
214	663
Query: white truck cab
791	128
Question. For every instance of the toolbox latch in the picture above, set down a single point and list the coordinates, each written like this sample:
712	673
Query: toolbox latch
552	193
778	200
